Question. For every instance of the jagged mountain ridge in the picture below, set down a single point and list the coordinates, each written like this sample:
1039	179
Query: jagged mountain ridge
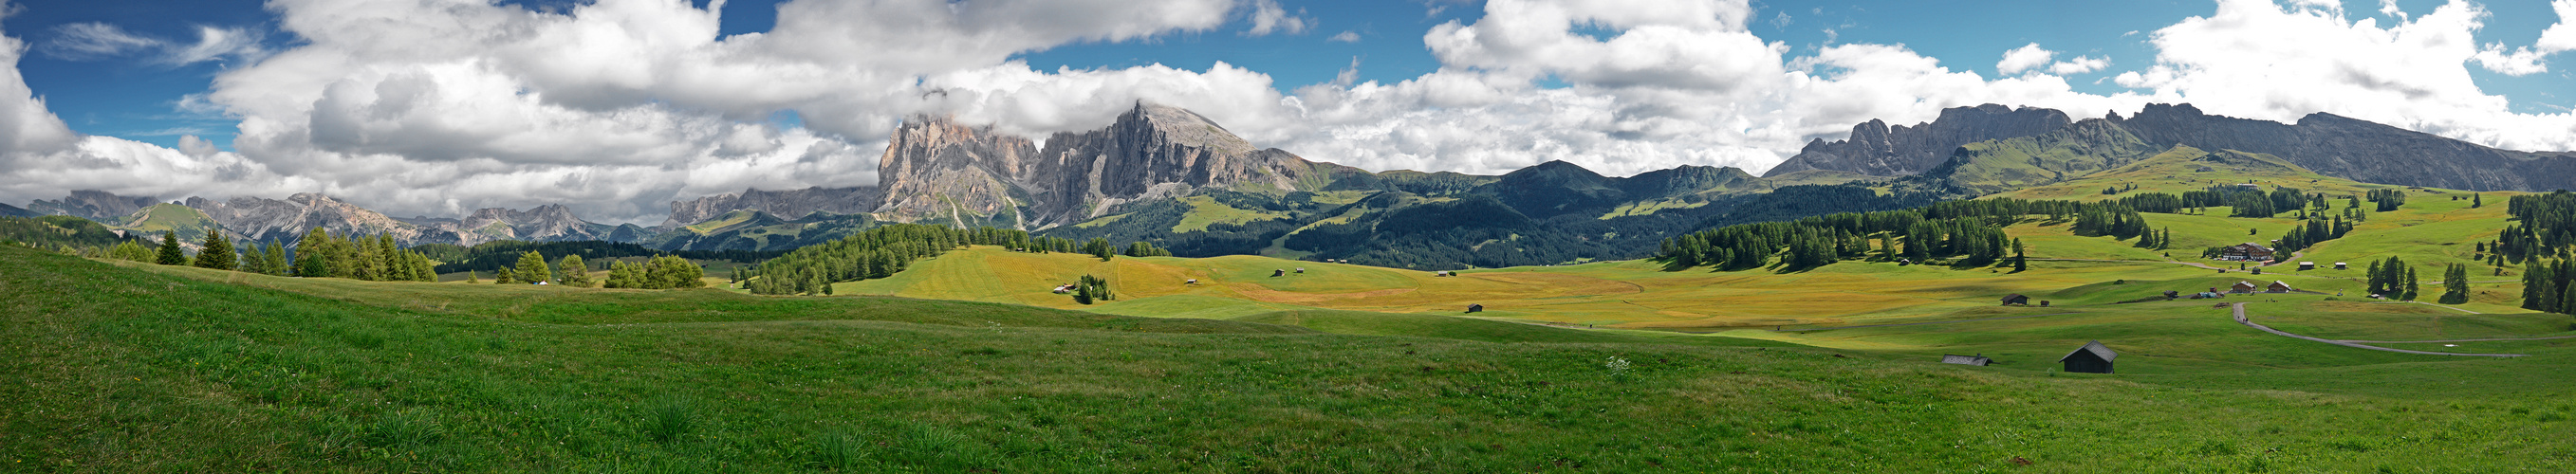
99	206
2326	143
792	203
935	169
1876	149
249	219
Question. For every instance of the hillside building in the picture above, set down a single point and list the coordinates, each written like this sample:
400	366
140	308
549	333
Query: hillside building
2242	287
1976	360
2093	358
2278	286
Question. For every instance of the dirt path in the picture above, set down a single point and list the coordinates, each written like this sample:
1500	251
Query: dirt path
2470	340
2196	264
2239	308
1919	324
2445	307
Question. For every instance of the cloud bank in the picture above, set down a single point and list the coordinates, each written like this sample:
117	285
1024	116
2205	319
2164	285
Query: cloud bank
437	107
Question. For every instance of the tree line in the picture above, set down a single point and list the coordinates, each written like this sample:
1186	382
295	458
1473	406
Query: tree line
2544	227
1969	230
490	257
879	253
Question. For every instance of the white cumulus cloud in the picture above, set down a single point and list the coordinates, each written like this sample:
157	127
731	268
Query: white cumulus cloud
615	107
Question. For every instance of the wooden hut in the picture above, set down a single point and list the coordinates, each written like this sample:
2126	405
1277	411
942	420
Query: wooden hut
1475	308
2016	299
2343	266
2093	358
1977	360
2307	265
2242	287
2277	286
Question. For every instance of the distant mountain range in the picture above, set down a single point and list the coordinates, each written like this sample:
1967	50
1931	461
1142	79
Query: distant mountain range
2330	144
1172	176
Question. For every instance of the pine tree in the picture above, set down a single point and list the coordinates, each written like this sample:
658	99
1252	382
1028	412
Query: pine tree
2477	201
276	255
170	252
471	279
311	256
2021	262
2409	294
572	272
532	268
503	276
2455	284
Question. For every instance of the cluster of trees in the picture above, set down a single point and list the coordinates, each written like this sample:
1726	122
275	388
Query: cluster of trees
1970	230
2386	199
1091	288
1146	249
491	257
2113	220
2455	284
878	253
2545	227
323	254
2316	229
659	273
65	234
2392	278
2549	285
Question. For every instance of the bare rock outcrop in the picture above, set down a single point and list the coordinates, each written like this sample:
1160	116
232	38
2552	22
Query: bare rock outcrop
1877	149
95	205
790	204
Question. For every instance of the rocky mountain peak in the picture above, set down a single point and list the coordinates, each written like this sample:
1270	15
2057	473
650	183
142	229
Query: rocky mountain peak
791	204
1185	128
95	205
1876	149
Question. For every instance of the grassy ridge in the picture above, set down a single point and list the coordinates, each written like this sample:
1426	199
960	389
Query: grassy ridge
168	369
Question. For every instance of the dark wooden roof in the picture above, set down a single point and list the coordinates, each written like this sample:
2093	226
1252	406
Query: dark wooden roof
1965	360
2096	348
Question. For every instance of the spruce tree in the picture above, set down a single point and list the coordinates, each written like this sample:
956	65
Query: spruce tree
2409	294
276	255
503	276
311	260
470	278
2021	262
170	252
532	268
2455	284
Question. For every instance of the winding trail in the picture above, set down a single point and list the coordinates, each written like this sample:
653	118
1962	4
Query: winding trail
1919	324
2239	308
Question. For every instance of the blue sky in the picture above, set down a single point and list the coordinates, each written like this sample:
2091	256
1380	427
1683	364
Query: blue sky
135	98
619	106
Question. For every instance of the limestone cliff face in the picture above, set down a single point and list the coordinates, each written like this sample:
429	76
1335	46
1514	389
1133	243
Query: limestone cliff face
937	169
100	206
253	218
1876	149
789	204
1155	151
551	222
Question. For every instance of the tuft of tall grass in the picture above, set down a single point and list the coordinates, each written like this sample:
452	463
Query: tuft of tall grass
668	418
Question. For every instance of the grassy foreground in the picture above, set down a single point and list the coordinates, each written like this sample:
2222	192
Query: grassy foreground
124	368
